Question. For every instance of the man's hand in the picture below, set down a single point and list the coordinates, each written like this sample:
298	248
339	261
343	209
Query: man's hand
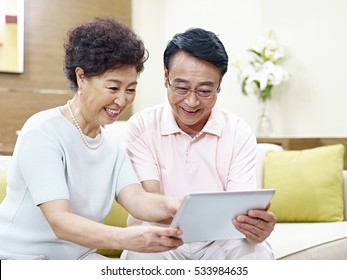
257	225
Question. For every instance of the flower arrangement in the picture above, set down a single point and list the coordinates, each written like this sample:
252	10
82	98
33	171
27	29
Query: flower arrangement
259	69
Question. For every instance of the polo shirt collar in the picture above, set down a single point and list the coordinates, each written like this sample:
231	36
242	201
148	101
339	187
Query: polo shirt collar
214	124
168	123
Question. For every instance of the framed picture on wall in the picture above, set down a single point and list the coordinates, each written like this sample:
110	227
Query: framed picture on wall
12	36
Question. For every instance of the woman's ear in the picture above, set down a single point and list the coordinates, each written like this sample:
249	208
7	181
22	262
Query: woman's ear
79	76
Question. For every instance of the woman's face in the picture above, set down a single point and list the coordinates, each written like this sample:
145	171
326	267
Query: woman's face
104	98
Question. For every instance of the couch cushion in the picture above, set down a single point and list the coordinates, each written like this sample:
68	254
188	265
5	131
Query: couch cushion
4	164
3	185
117	217
290	240
332	250
308	184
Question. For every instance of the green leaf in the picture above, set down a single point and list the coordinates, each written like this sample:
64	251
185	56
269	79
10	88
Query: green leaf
243	87
253	51
266	93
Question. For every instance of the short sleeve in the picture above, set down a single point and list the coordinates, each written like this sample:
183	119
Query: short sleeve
41	164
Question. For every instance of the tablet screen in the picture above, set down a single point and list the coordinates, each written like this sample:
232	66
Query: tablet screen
208	216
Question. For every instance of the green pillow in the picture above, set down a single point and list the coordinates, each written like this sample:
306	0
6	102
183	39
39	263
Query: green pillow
117	217
308	183
3	185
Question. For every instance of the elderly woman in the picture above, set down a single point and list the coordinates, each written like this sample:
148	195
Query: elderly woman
67	170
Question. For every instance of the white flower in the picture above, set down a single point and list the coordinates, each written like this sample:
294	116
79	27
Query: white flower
259	69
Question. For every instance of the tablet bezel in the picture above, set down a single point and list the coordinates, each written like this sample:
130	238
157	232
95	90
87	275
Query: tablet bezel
201	214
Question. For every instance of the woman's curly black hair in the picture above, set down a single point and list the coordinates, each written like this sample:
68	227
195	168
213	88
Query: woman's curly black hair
102	45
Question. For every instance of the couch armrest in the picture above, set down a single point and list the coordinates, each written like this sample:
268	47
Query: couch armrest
262	149
344	177
4	163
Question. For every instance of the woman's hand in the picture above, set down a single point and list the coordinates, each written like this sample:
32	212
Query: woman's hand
151	239
172	205
71	227
148	206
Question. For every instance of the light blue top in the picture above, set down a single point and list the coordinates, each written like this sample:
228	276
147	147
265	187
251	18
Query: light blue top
51	162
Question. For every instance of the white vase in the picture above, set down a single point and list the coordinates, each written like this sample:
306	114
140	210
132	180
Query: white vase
264	127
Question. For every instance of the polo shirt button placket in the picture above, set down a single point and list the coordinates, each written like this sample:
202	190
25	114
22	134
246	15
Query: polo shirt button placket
190	146
187	151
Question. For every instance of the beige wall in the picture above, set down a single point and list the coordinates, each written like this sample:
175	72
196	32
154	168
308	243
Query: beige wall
311	104
43	84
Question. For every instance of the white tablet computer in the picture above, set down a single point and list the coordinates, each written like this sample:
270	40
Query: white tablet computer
208	216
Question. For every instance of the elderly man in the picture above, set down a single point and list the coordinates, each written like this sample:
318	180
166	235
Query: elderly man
193	145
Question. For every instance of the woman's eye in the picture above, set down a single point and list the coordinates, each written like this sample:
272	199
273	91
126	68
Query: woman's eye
113	88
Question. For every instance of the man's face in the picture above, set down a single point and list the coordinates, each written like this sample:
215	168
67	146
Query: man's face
191	111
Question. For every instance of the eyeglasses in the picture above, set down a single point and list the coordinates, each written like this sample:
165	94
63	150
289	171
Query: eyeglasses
204	91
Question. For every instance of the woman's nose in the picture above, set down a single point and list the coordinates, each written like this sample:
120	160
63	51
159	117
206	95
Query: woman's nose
120	100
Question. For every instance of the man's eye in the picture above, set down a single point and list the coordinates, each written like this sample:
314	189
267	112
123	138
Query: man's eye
182	89
204	92
131	90
113	88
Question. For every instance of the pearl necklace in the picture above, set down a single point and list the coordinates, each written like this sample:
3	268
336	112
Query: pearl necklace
81	131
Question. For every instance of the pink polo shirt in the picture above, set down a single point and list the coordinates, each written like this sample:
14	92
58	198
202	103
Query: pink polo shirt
222	158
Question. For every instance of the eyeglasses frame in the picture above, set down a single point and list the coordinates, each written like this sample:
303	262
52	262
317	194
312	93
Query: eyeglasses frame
190	90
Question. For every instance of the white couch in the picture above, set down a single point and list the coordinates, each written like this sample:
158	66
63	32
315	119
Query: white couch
288	240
